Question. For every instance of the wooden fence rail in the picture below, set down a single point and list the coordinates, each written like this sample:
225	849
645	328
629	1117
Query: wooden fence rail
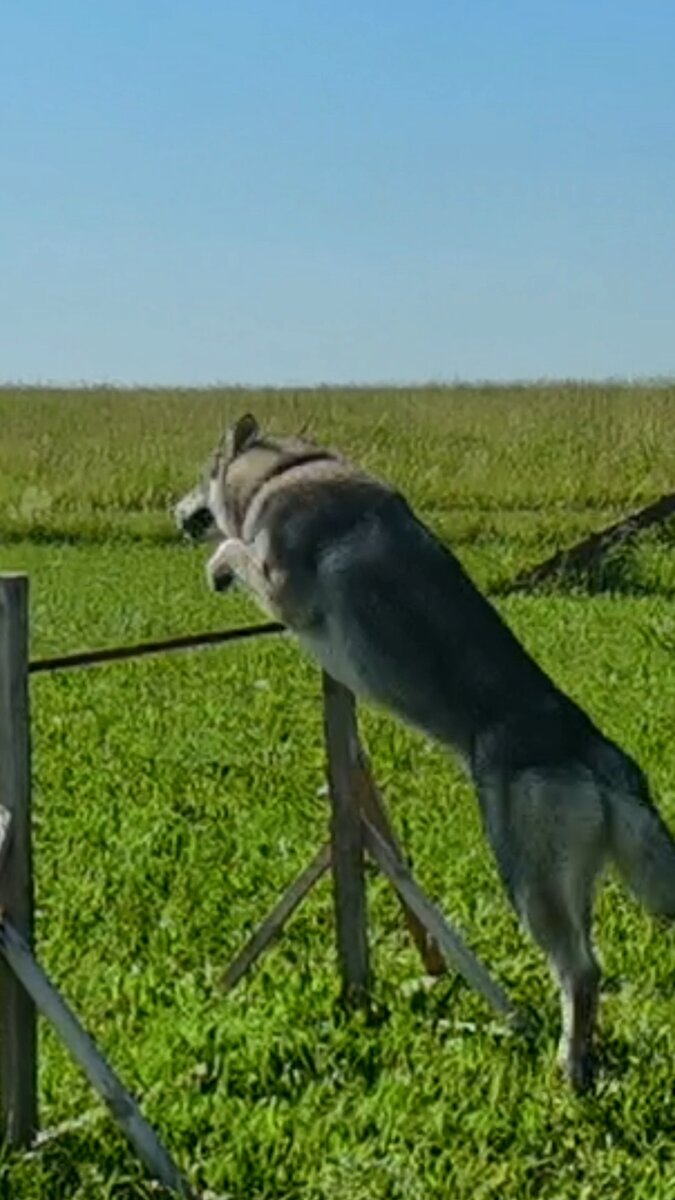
359	823
190	641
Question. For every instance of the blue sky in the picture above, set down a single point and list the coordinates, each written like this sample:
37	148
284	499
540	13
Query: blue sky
277	191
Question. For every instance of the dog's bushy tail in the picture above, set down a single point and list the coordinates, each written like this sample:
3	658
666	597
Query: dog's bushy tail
642	847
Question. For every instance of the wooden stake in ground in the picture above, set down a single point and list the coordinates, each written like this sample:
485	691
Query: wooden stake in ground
347	843
18	1025
355	797
364	791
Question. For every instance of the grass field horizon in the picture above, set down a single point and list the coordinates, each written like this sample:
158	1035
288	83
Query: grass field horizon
174	798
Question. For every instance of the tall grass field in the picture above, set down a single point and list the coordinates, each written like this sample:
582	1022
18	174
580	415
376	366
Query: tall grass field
175	798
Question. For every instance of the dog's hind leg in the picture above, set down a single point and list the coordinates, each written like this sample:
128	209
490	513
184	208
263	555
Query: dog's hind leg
564	934
547	829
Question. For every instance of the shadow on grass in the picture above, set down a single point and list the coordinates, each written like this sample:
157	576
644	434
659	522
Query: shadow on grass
77	1160
102	536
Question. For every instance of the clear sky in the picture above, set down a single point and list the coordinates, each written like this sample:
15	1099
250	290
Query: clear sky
286	191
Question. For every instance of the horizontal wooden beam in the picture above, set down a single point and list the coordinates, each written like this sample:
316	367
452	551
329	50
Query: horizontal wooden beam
188	641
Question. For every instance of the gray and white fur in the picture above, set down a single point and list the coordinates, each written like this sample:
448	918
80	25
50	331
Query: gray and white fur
341	559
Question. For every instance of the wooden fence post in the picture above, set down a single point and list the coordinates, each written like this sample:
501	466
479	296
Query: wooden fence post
18	1026
347	843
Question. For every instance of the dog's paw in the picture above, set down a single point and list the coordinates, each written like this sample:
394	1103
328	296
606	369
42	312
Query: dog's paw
580	1069
219	573
219	580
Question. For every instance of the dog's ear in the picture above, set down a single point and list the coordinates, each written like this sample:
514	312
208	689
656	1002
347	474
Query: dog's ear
240	435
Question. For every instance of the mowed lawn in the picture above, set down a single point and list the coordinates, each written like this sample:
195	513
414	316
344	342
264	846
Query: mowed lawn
175	797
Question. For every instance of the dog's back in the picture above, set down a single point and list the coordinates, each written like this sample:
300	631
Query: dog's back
389	611
410	628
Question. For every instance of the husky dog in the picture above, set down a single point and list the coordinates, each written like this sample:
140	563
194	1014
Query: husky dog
340	558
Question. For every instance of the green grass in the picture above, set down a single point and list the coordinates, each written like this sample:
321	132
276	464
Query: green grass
175	798
524	466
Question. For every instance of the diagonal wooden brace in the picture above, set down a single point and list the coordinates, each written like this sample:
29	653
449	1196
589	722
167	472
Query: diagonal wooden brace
83	1049
355	793
429	916
274	922
373	808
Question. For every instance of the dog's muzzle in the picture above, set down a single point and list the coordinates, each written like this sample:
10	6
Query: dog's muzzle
194	523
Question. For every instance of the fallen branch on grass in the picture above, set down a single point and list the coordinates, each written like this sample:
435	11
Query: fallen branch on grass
588	552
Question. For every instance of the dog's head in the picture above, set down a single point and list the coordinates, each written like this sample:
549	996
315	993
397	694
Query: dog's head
193	515
200	514
241	464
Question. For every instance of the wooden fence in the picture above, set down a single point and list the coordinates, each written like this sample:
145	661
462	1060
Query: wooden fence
359	822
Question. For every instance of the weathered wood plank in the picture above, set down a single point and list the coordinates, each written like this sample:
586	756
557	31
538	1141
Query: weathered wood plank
5	834
449	941
18	1025
373	807
347	843
276	919
85	1052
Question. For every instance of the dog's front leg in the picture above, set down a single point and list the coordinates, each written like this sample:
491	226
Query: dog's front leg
234	559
